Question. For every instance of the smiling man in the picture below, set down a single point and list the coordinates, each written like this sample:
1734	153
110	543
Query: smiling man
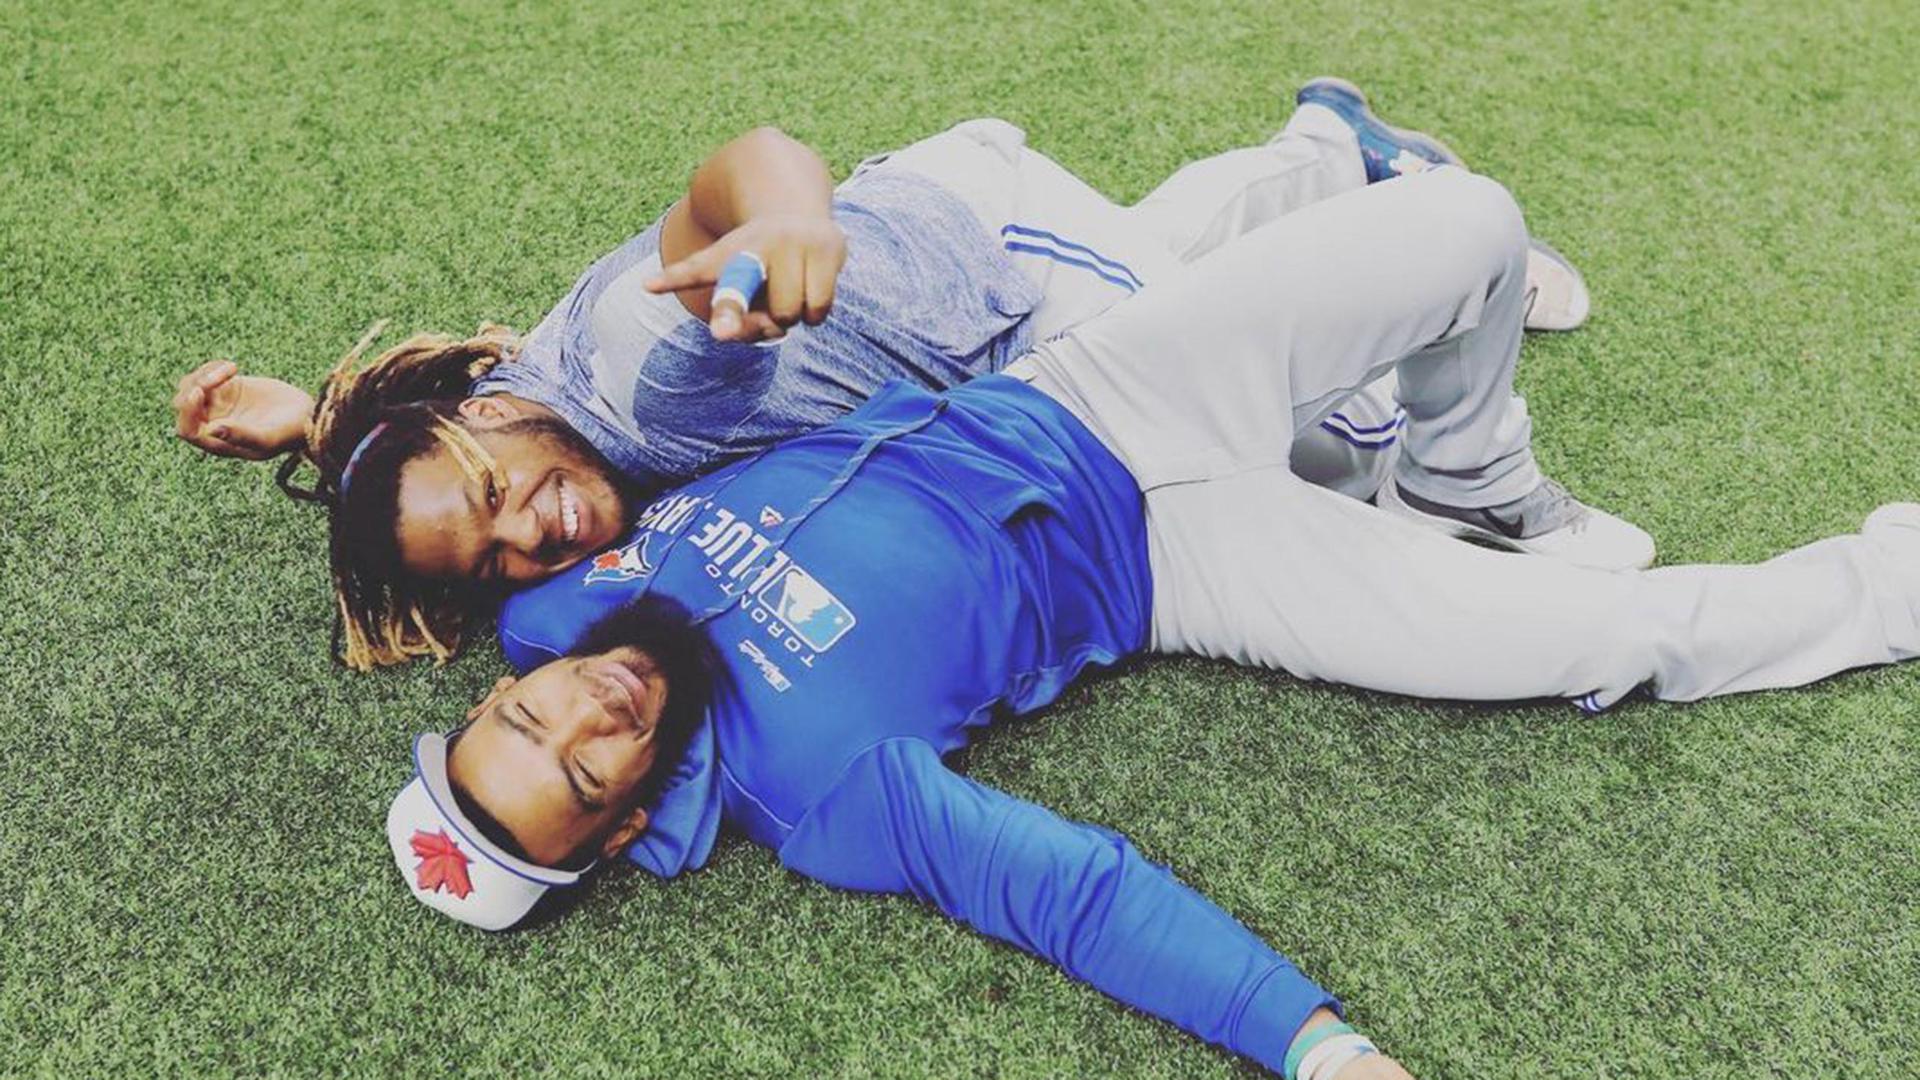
810	701
569	755
939	262
546	499
558	770
821	625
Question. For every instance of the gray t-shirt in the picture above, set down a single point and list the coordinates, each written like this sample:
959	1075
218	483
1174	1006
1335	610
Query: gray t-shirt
927	294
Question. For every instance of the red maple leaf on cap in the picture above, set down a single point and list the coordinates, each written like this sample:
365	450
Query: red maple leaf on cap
607	560
442	864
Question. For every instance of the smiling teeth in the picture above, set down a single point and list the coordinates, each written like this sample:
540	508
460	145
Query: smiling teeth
569	516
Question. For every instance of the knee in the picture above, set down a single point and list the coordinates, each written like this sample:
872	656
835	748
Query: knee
994	133
1490	220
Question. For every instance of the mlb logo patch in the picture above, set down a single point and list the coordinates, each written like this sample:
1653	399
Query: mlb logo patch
622	563
815	615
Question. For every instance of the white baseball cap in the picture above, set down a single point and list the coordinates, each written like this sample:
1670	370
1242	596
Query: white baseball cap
449	864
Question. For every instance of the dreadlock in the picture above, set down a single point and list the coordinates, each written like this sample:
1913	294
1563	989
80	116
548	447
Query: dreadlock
368	423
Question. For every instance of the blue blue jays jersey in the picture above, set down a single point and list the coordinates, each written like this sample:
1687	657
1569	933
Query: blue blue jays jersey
877	589
907	571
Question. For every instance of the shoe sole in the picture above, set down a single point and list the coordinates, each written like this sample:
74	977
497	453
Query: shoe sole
1579	282
1366	110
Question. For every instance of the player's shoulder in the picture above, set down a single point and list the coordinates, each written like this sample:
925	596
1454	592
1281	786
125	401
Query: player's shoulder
545	621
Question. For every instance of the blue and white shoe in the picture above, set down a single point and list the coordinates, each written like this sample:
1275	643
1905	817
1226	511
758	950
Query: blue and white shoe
1387	151
1557	297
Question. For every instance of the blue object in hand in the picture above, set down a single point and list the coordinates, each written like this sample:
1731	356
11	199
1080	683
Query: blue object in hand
740	281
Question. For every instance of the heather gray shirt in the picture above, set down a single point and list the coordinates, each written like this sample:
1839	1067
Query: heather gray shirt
927	294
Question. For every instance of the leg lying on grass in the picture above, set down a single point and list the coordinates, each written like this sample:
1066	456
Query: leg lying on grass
1215	369
1263	569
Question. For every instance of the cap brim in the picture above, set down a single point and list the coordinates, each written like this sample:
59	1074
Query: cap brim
472	879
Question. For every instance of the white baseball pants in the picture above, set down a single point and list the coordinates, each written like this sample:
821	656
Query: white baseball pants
1087	254
1199	384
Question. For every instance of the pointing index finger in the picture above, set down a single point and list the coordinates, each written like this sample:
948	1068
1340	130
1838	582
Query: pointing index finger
693	272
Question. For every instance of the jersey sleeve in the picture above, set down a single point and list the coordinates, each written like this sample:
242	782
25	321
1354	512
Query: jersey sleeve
900	821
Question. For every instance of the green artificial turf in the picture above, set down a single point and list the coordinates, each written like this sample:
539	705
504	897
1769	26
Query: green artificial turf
191	865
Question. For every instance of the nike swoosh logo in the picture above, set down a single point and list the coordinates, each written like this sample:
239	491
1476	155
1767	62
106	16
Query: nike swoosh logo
1512	529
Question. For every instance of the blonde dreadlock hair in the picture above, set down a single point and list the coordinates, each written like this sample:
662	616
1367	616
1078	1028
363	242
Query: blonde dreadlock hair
368	422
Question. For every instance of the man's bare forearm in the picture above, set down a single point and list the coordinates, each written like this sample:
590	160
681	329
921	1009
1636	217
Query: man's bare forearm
770	194
764	171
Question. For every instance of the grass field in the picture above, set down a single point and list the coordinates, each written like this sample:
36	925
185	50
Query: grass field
191	866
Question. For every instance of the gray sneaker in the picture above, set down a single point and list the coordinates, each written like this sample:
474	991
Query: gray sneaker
1546	521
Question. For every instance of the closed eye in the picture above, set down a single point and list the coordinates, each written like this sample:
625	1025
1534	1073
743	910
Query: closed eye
579	780
587	775
519	723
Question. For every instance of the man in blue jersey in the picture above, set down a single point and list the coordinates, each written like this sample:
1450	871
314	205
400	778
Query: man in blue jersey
942	261
792	644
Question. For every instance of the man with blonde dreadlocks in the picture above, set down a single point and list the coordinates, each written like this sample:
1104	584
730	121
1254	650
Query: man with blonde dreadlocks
936	264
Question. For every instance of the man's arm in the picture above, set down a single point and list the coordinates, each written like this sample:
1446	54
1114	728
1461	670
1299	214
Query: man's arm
229	414
900	821
766	193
